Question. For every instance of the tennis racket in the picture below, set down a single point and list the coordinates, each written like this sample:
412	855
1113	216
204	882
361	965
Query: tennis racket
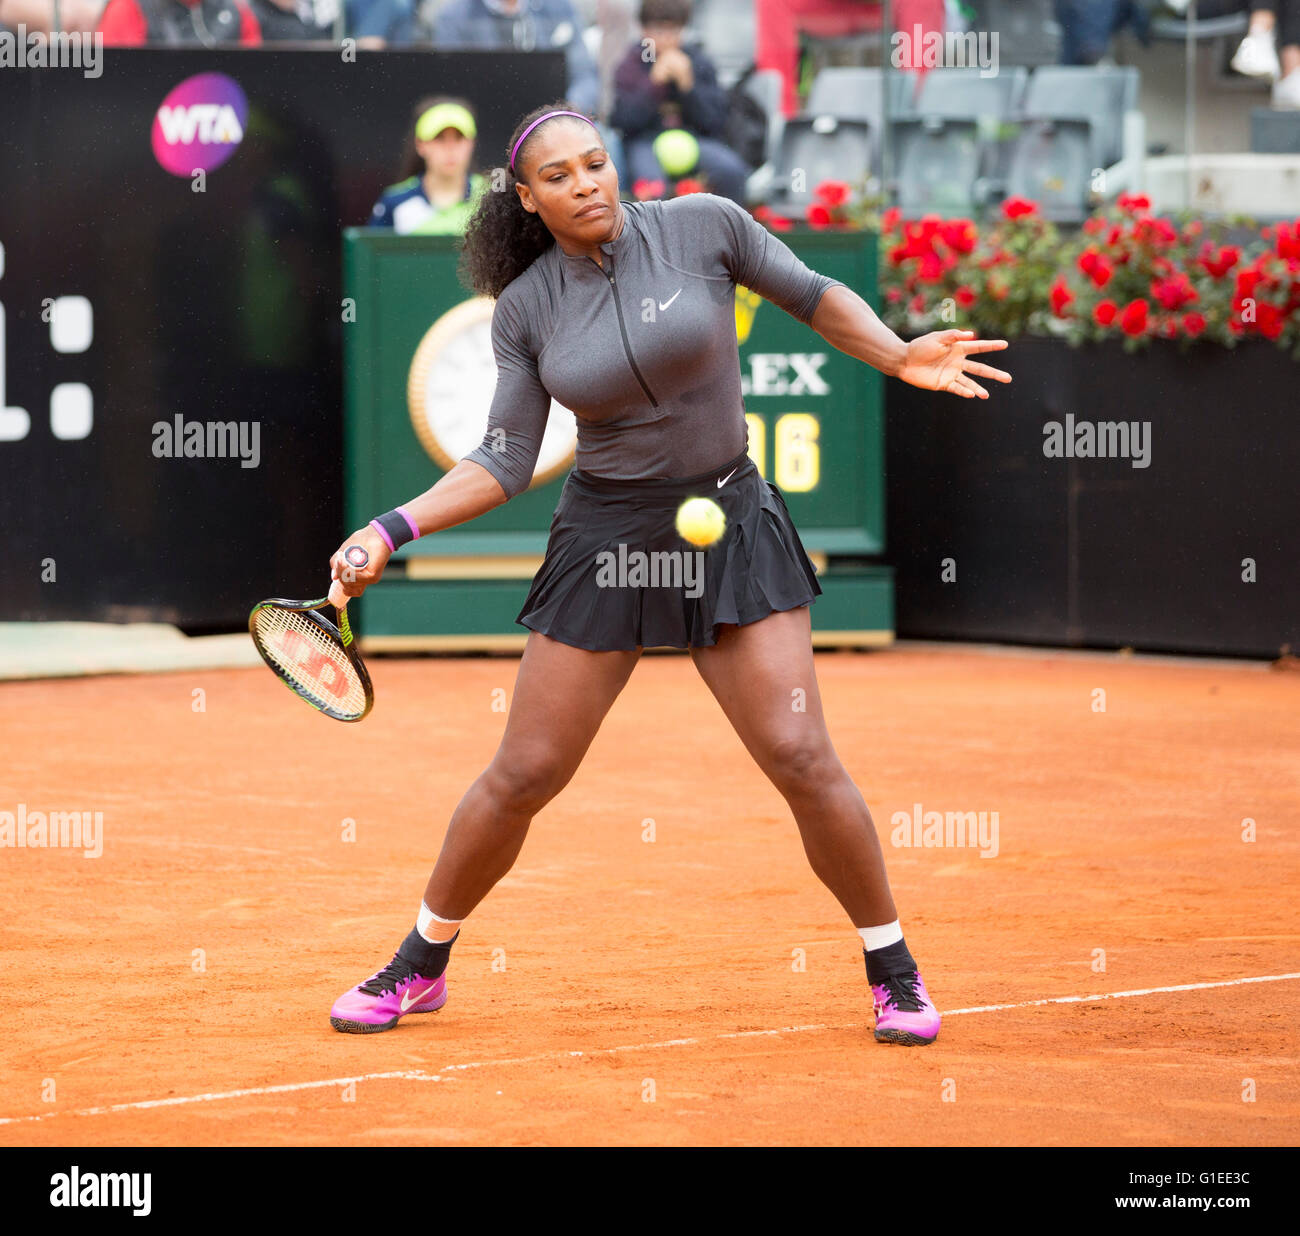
314	658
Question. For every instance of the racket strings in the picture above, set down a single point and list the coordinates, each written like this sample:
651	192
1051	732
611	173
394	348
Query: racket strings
312	662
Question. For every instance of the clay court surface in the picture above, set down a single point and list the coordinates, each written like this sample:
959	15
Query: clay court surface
606	969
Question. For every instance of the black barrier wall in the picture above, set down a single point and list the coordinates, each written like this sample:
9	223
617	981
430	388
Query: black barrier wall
1184	544
209	299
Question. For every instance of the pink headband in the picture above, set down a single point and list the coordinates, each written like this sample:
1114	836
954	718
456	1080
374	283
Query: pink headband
538	121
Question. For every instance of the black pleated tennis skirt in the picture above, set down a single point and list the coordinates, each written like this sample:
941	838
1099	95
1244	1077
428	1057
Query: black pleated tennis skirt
617	575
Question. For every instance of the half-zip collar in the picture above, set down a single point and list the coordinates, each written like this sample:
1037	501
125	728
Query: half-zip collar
615	250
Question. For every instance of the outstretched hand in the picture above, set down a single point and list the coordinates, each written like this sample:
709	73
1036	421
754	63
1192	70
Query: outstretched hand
941	361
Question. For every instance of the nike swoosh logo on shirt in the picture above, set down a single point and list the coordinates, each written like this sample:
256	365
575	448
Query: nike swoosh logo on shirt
407	1001
728	477
670	300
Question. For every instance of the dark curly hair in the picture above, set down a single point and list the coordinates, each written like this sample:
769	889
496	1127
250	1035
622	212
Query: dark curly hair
502	239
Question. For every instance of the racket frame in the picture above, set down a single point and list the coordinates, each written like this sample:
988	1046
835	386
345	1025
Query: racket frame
341	634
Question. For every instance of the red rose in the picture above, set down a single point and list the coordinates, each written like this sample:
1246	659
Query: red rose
1104	312
817	215
1017	207
1227	257
646	190
1060	296
931	269
917	303
1133	321
1269	320
1193	323
1133	202
832	192
894	295
1246	281
959	235
1288	240
1115	236
889	220
1173	293
965	296
779	223
916	242
1101	272
688	185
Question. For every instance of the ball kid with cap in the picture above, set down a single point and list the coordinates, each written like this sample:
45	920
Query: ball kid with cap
436	192
660	420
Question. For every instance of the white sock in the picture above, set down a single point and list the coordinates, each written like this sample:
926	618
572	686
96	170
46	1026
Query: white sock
880	937
434	929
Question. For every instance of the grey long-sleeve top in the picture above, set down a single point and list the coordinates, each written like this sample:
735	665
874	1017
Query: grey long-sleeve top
643	351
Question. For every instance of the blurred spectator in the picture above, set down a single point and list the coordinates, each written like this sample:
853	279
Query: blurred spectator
527	25
1087	26
436	192
378	23
295	21
37	16
1273	26
662	84
780	23
616	21
133	23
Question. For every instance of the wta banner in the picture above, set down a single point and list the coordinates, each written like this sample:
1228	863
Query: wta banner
171	313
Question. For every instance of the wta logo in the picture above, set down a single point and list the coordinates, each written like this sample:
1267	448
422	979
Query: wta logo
200	124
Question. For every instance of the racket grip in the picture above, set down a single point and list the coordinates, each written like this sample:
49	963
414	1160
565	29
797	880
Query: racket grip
337	597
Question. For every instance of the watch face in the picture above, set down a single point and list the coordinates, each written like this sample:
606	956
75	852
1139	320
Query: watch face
449	392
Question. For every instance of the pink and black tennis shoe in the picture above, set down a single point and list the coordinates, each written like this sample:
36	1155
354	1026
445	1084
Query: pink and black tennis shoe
385	998
904	1012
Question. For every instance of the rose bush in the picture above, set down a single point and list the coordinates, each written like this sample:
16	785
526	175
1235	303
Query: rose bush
1128	273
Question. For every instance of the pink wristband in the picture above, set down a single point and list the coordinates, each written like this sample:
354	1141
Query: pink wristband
378	527
406	515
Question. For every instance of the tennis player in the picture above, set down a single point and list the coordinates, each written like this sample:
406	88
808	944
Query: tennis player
625	313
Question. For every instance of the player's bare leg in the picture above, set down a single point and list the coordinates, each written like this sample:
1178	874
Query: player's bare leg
561	697
762	675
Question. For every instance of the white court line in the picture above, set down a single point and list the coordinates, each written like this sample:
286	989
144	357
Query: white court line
422	1076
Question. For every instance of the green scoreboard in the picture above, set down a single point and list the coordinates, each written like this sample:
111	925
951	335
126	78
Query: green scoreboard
419	376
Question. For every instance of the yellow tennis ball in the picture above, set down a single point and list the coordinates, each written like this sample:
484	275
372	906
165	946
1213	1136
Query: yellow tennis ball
677	151
701	521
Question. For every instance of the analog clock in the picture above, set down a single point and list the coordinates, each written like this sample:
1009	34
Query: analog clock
450	386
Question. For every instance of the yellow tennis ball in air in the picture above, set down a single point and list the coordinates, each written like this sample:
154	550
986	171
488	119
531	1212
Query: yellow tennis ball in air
677	151
701	521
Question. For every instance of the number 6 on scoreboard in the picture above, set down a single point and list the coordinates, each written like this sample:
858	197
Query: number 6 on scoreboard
798	453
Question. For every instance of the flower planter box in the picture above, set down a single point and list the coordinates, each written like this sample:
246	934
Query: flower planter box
1094	551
